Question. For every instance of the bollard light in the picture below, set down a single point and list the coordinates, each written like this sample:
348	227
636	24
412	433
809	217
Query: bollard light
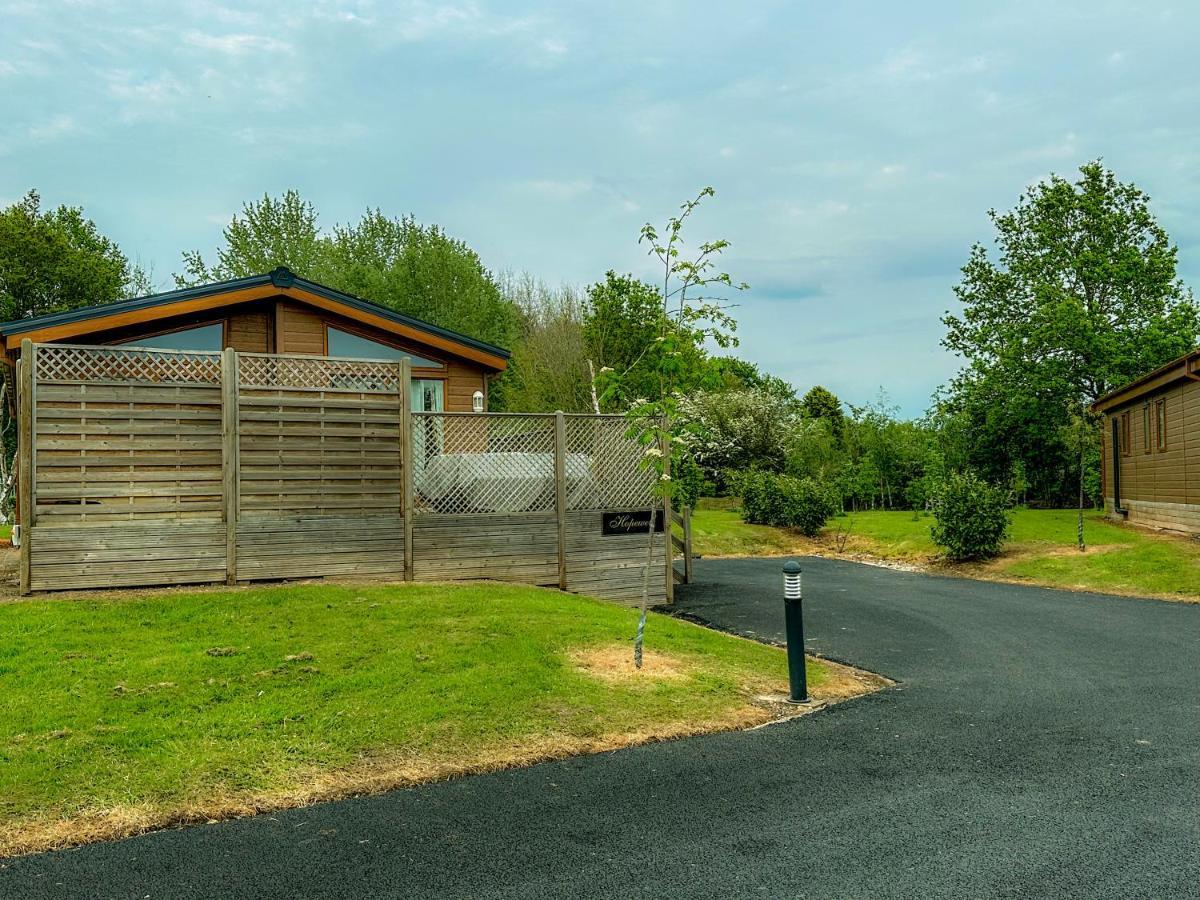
477	401
793	613
791	580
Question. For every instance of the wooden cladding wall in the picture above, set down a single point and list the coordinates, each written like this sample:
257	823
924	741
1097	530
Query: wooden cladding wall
1160	481
153	467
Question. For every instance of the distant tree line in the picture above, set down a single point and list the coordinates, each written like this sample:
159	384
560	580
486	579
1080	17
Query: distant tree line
1080	295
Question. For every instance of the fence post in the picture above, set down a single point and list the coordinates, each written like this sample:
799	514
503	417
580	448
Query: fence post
560	493
25	457
687	545
668	549
230	453
404	390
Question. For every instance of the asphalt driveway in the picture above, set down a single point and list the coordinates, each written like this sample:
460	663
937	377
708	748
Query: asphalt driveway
1038	743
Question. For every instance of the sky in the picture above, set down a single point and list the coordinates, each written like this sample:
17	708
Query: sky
855	147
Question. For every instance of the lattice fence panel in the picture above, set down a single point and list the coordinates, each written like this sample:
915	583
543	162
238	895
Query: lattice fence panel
257	370
601	447
59	363
482	463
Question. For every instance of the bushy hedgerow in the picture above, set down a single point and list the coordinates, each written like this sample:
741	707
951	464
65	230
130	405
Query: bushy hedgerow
802	503
971	517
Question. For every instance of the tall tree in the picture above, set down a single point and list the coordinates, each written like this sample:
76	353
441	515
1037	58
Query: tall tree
397	262
52	261
421	271
1083	297
268	233
55	260
549	365
822	403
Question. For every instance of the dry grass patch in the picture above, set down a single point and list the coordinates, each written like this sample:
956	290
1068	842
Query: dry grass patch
614	663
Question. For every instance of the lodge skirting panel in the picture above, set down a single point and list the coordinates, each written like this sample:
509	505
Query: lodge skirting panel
142	467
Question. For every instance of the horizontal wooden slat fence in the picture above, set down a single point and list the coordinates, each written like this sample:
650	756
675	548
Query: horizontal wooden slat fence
141	467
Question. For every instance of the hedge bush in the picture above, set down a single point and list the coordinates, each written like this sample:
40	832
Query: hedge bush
971	517
689	480
802	503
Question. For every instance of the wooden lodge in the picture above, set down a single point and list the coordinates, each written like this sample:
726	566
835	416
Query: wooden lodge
271	428
1151	447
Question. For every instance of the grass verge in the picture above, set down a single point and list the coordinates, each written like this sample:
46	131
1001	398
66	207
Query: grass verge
122	715
1040	550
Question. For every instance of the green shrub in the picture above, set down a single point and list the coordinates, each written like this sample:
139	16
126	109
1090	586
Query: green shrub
802	503
689	480
971	517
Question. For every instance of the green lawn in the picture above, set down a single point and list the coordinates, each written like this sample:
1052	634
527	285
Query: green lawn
1040	548
122	714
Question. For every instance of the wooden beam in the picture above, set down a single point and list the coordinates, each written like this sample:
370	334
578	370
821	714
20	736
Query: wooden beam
560	493
404	389
687	545
25	456
231	478
669	572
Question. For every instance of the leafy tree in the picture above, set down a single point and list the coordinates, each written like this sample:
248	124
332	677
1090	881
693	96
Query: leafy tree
738	429
56	260
52	261
730	373
622	319
549	366
268	233
423	272
399	263
821	403
1082	297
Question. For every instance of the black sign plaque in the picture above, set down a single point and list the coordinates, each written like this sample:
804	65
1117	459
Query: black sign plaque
626	522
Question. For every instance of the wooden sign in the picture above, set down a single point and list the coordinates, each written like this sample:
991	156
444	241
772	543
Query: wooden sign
630	522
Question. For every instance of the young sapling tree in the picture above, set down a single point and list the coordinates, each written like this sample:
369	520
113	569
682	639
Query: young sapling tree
688	317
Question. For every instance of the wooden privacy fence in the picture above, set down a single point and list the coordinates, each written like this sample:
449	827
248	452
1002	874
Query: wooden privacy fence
146	467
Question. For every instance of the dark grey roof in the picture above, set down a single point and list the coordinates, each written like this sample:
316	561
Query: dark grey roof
280	278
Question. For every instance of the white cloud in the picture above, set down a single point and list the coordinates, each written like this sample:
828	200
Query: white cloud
144	98
560	189
53	128
237	44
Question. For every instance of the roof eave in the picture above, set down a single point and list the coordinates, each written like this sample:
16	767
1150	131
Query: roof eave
286	283
1186	367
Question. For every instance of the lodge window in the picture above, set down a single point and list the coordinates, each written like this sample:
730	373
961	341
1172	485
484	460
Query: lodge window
203	337
1160	424
1146	428
1126	446
345	344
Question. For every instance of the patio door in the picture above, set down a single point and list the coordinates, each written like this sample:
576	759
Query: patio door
428	395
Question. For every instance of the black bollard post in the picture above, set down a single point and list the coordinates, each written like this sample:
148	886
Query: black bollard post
794	623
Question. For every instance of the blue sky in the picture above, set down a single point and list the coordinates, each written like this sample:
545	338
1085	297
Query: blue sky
855	147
